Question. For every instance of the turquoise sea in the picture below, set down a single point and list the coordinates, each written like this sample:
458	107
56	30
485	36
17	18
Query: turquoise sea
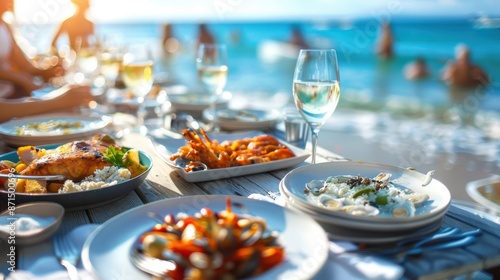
366	81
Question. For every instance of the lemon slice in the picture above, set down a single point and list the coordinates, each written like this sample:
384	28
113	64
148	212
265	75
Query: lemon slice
132	162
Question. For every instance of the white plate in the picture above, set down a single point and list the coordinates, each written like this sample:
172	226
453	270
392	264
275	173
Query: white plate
165	147
196	102
106	252
439	196
246	119
90	127
119	97
486	192
363	226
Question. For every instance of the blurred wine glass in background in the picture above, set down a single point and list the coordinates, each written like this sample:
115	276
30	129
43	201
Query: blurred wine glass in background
138	78
211	62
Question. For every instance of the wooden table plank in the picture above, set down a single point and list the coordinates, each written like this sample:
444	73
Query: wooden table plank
103	213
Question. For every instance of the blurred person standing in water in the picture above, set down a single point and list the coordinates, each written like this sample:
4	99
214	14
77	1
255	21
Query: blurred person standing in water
77	27
416	70
463	72
385	48
15	67
464	79
204	35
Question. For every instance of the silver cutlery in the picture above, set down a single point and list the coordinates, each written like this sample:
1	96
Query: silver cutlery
34	177
67	254
444	239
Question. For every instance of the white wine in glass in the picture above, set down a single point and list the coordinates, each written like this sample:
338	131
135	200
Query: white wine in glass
316	89
138	78
110	65
211	62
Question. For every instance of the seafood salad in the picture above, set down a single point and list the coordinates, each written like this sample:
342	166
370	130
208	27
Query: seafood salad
364	196
210	245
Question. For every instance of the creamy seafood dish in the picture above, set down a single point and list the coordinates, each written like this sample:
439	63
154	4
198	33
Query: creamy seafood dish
364	196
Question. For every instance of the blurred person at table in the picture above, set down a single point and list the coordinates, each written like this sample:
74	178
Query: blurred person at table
462	72
169	43
15	67
385	47
416	70
63	99
78	28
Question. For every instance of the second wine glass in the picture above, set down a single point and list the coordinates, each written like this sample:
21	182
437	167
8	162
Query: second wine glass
138	78
211	62
316	89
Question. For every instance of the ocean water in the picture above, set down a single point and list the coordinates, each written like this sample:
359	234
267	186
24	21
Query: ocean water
367	82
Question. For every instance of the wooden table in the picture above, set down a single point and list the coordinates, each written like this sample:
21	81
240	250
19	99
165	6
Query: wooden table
163	183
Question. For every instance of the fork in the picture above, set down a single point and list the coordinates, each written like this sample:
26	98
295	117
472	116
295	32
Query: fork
67	255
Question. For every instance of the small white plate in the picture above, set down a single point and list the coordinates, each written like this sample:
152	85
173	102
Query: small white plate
106	252
245	119
89	127
165	147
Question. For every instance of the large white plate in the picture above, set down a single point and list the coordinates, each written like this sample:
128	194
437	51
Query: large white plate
439	196
84	199
165	147
361	226
90	126
106	252
232	120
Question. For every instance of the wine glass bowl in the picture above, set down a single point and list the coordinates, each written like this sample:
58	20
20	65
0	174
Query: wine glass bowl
110	64
138	78
316	89
211	63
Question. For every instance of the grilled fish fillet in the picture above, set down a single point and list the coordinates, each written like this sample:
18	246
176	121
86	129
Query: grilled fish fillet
75	160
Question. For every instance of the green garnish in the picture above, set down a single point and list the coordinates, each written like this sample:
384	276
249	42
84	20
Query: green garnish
115	156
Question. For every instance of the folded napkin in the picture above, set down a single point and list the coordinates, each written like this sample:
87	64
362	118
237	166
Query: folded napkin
42	264
344	265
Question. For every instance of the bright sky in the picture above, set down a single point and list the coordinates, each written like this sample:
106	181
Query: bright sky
46	11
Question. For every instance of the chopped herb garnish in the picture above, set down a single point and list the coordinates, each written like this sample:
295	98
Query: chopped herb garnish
115	156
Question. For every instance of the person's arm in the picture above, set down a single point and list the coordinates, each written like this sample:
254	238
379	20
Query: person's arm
24	81
18	58
447	72
480	75
64	98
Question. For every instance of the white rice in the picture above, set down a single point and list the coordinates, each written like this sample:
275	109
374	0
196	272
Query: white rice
108	176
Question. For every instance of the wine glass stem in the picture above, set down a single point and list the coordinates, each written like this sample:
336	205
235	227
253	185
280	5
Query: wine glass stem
141	111
314	143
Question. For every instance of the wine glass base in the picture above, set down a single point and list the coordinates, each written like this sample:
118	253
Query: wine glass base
141	129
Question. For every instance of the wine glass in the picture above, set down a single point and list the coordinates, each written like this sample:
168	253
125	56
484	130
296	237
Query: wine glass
110	62
316	89
138	78
211	62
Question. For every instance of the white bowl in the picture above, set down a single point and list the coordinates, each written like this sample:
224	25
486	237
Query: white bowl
48	214
486	192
